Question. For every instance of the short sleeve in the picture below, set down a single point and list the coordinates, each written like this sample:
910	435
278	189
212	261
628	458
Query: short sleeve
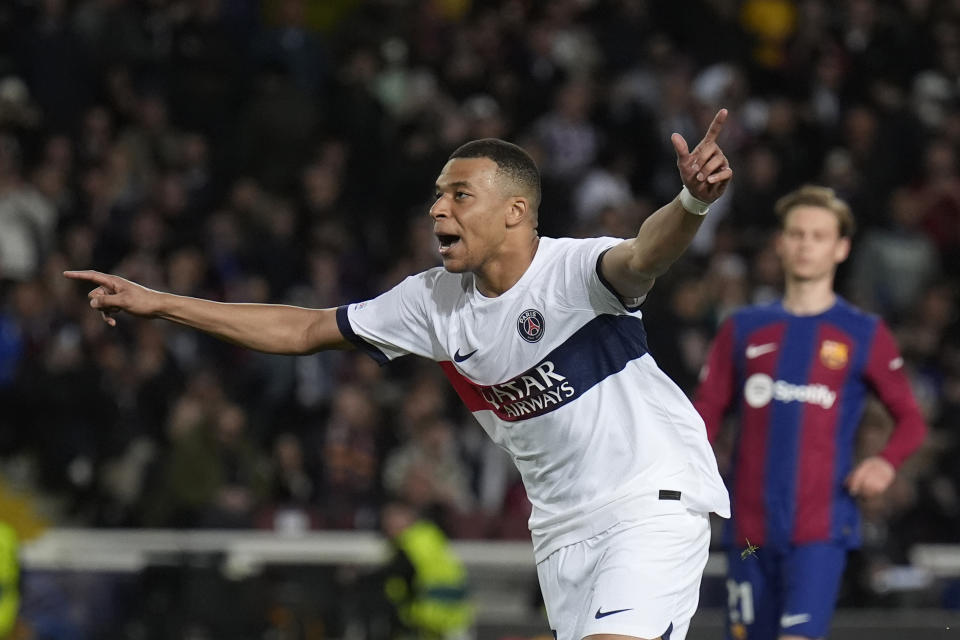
394	324
602	293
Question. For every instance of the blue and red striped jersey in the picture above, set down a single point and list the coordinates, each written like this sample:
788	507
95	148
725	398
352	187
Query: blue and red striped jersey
798	385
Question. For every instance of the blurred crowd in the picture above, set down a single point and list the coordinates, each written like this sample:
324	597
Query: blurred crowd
285	151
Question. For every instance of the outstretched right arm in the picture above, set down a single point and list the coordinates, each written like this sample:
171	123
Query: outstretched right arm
270	328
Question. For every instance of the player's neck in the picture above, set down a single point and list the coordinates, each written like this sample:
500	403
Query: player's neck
808	297
497	276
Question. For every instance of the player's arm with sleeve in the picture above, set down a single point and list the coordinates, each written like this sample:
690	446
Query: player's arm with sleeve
632	266
885	375
264	327
716	389
395	323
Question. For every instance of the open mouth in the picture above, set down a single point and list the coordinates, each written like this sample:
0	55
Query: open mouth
447	241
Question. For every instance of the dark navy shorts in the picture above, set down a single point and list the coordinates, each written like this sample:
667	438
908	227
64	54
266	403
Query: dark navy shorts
792	591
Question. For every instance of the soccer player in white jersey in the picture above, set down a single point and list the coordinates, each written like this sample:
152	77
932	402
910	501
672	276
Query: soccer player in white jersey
543	341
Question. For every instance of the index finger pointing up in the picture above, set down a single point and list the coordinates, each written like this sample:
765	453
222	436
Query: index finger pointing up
715	127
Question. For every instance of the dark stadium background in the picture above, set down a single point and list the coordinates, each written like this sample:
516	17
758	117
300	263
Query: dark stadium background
286	150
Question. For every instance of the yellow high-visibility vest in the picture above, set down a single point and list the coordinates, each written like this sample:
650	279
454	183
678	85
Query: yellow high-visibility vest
438	605
9	579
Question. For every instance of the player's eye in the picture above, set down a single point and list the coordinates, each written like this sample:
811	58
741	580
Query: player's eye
460	195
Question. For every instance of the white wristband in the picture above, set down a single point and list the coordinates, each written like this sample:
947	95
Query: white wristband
693	205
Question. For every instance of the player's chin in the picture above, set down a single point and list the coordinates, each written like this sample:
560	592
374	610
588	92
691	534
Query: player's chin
810	274
454	257
454	265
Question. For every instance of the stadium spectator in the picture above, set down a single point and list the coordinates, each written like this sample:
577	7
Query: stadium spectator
894	263
212	475
28	220
429	473
349	452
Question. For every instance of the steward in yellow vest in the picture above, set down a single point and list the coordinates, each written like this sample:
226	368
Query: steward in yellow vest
425	581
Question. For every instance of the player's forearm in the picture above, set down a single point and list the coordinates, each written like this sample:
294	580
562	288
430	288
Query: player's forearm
907	436
263	327
663	237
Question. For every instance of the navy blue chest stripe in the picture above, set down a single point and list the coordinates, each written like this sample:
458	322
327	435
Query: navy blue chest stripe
602	347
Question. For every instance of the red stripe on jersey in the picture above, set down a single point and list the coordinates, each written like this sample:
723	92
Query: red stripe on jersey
468	391
761	355
817	451
750	509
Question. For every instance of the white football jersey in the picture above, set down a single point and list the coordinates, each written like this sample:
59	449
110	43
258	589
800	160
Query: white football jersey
557	372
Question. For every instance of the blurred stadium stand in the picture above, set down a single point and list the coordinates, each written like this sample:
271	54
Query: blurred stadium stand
285	151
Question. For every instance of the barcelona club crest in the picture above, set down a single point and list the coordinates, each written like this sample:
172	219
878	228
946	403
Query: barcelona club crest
833	354
530	325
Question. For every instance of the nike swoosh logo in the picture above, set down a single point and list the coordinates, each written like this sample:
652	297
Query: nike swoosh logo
896	363
460	358
604	614
757	350
792	620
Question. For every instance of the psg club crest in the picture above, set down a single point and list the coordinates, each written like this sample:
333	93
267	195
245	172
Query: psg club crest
833	354
530	325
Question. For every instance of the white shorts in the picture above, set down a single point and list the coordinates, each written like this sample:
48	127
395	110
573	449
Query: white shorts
638	578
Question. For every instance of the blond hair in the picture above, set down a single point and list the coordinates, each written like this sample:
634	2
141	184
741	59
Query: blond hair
817	196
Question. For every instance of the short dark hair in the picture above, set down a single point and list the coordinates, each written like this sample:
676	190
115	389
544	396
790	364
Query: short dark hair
511	161
817	196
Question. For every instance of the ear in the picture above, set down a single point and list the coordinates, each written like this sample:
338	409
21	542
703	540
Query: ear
842	251
519	211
